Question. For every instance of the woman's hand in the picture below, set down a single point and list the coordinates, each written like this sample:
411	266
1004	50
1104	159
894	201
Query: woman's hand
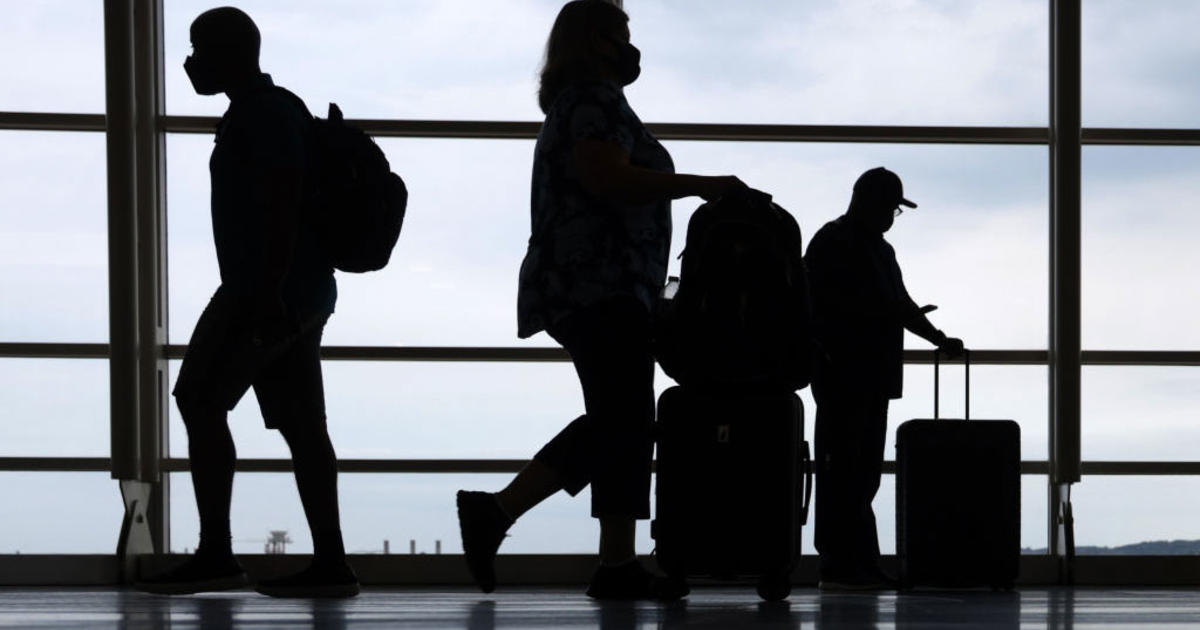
715	187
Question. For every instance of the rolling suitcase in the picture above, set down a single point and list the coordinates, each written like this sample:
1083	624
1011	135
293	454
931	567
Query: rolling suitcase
958	499
733	486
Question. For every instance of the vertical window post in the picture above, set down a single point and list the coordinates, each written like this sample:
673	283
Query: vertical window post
1065	274
153	379
137	285
120	116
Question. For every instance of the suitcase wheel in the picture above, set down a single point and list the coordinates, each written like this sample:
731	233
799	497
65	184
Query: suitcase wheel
774	588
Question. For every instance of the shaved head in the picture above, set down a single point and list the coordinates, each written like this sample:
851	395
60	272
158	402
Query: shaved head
228	33
225	45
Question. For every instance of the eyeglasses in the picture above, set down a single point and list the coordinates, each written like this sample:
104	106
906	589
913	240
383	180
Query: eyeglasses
898	211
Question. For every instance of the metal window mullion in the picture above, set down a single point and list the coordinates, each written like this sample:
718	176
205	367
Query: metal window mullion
1065	273
477	129
1140	137
152	236
468	466
717	132
51	121
122	236
1066	347
512	354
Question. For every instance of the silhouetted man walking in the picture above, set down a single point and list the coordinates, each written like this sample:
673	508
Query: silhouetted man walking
861	309
263	326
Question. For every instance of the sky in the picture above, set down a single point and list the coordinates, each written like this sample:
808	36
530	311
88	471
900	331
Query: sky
977	246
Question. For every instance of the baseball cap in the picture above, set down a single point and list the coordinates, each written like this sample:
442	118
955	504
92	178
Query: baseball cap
882	184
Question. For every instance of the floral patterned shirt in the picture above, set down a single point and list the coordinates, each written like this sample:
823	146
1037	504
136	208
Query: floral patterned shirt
584	249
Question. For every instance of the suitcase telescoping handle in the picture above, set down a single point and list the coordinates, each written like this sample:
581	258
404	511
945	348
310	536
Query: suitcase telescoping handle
937	371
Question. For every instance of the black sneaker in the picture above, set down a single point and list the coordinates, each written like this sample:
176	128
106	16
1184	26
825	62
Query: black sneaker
197	574
483	525
632	581
318	580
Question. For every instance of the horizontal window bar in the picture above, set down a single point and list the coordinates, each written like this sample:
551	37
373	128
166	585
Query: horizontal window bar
50	121
103	464
850	133
1141	468
54	350
1141	136
417	353
456	466
478	129
534	355
453	353
984	357
55	464
180	464
37	121
1141	357
676	131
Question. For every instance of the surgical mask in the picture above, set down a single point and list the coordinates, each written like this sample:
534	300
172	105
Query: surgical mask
201	76
628	62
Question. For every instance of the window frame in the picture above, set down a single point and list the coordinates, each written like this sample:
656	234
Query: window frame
136	125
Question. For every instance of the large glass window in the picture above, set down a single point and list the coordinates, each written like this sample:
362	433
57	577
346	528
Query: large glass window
1114	513
1139	63
976	245
59	512
53	57
420	507
54	408
979	235
452	280
398	508
415	410
1139	256
916	63
475	59
992	388
53	243
1140	413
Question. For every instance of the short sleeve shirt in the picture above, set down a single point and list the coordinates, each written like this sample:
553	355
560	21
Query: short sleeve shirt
585	249
265	128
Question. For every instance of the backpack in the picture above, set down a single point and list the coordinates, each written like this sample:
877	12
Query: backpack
740	317
357	203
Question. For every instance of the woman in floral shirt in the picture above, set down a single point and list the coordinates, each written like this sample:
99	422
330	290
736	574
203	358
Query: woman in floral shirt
597	257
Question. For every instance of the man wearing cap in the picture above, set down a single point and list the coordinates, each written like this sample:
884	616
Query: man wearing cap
861	310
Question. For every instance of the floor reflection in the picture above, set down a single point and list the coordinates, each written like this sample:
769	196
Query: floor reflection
980	609
848	610
534	608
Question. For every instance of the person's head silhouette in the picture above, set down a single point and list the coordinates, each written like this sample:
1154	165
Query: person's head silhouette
589	41
878	195
225	44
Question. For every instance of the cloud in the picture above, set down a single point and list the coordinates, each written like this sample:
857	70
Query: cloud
844	62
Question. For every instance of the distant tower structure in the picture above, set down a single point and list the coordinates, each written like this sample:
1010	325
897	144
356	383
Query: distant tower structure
277	542
387	546
437	547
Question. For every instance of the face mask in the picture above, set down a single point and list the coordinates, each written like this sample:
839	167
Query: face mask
200	76
628	62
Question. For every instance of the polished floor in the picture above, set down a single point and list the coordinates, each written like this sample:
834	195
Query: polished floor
534	608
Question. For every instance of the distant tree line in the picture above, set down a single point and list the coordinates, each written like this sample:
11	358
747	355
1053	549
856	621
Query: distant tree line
1149	548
